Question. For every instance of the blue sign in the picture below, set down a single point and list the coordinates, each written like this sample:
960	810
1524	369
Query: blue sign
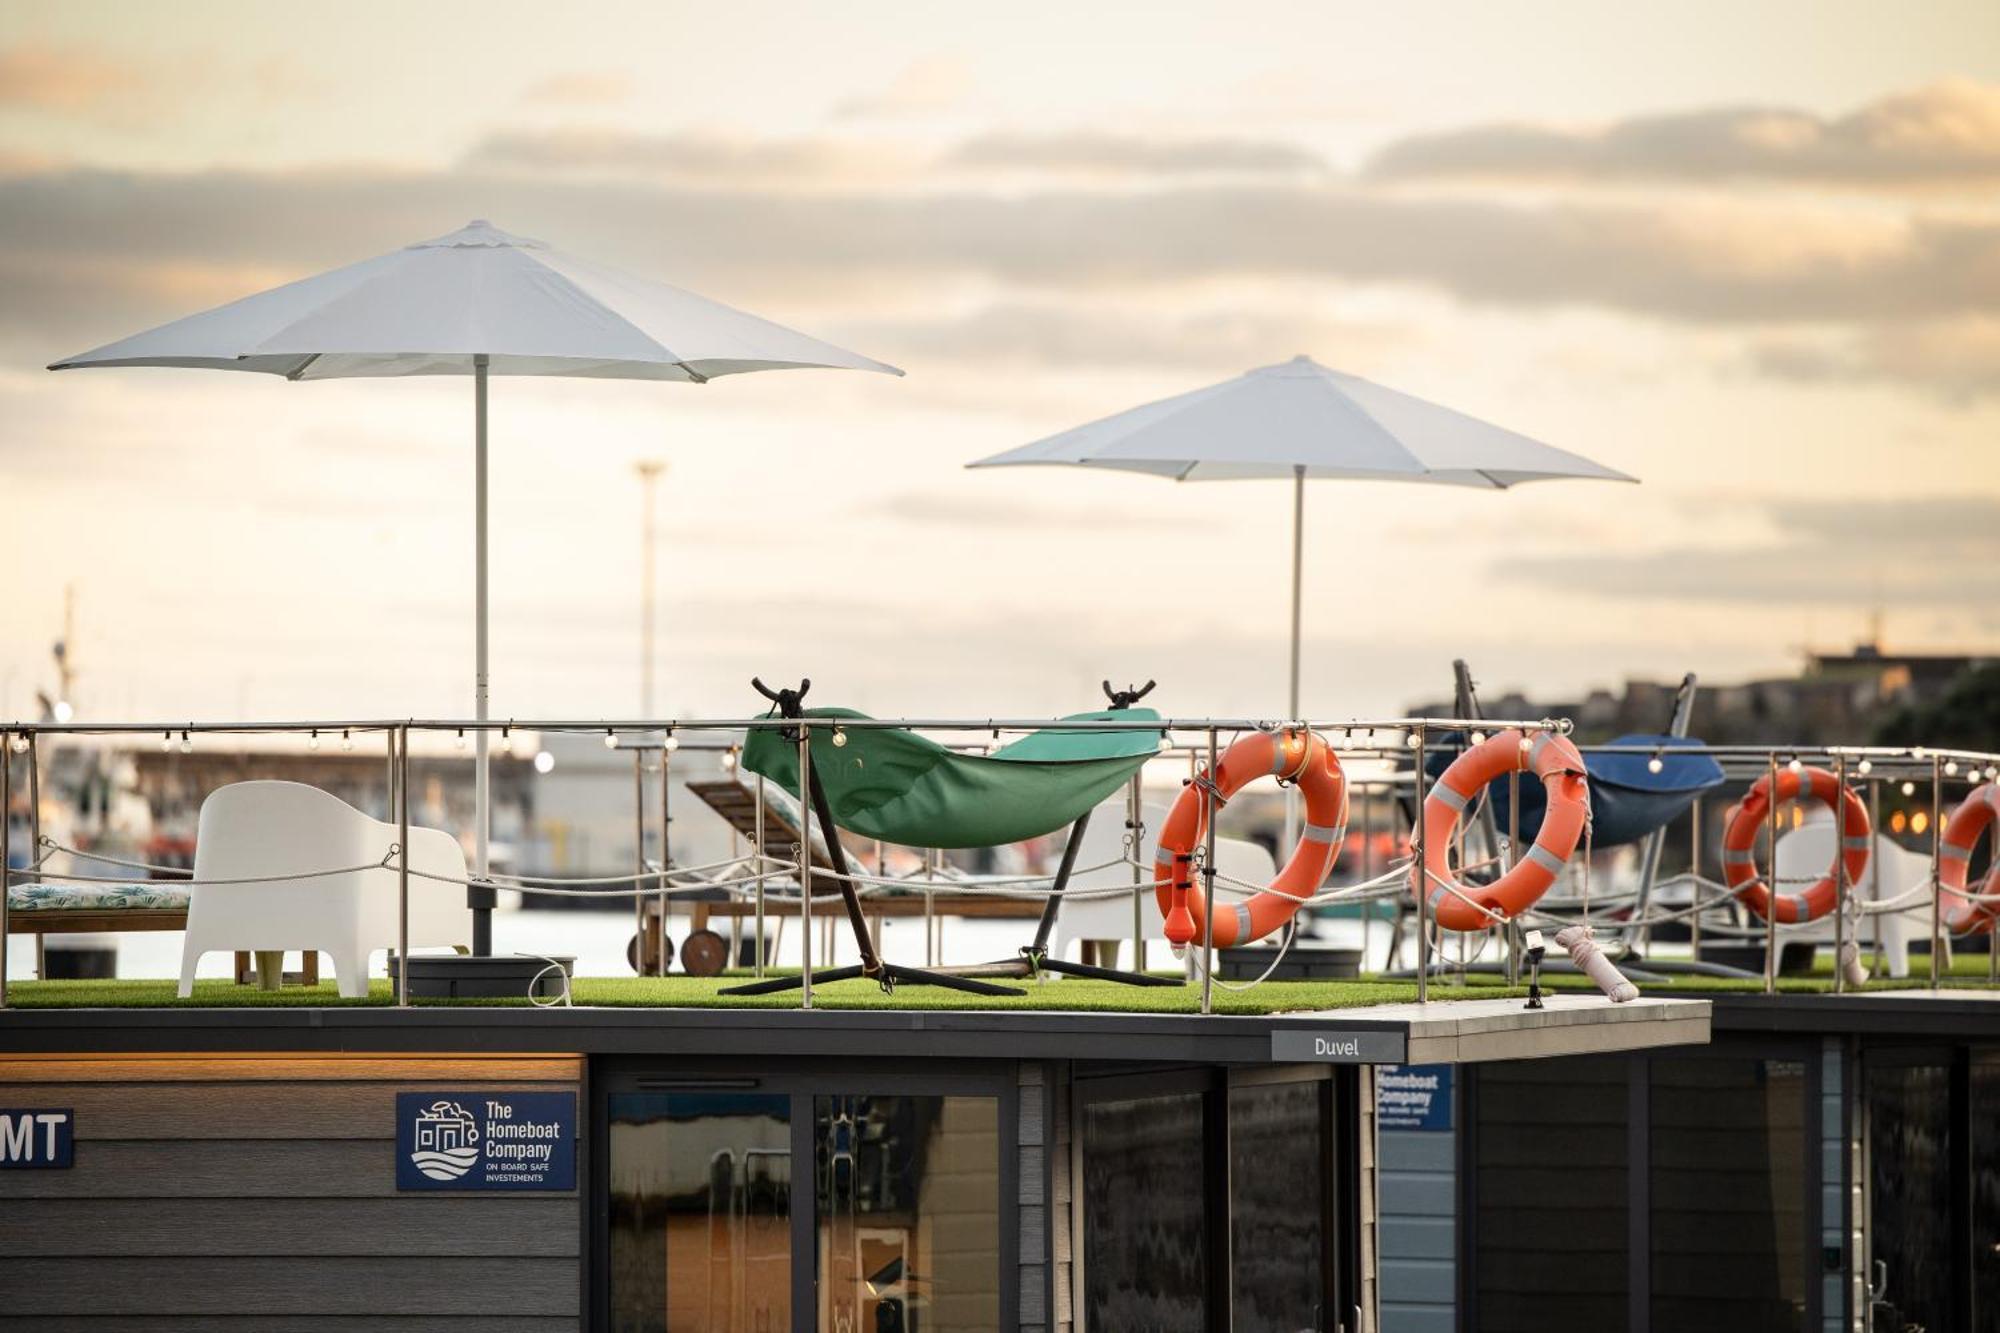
485	1140
37	1139
1413	1097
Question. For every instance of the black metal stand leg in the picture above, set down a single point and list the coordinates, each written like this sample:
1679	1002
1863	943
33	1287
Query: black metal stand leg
917	976
773	985
1047	964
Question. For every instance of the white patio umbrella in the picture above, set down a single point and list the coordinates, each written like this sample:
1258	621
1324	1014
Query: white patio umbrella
476	302
1301	420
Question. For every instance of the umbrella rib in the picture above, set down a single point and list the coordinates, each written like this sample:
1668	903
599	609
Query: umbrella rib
297	372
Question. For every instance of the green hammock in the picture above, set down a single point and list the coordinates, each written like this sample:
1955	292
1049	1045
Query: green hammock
902	788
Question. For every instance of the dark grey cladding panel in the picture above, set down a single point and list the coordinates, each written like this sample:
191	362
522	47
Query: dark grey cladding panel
522	1224
381	1287
264	1323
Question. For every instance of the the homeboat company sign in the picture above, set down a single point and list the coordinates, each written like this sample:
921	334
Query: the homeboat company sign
485	1140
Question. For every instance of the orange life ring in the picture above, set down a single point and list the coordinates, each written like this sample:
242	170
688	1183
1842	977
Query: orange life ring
1979	810
1557	763
1299	757
1739	844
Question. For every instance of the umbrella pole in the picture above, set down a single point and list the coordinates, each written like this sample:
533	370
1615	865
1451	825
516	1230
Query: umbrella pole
1292	697
482	793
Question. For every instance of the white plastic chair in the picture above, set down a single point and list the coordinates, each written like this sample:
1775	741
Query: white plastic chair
1109	919
1804	853
281	829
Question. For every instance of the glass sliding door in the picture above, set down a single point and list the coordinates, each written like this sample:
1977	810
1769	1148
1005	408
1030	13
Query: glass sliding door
898	1223
906	1204
700	1206
1144	1215
1983	1108
1279	1145
1910	1193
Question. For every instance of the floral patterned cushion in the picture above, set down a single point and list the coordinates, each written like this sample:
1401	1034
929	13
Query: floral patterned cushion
162	896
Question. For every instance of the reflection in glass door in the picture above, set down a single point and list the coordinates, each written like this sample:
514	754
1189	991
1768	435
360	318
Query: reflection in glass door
907	1201
1909	1195
700	1205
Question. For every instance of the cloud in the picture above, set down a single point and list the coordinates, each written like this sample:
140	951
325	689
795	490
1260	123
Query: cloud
96	253
67	81
1898	553
1956	359
924	87
1948	133
964	513
1106	332
1093	153
581	88
726	161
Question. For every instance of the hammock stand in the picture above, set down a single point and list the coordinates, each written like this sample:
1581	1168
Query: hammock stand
920	794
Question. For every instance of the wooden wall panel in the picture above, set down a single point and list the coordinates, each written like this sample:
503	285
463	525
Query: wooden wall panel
238	1193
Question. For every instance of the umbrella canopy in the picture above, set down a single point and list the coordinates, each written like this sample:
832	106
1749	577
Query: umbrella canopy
477	302
433	307
1301	419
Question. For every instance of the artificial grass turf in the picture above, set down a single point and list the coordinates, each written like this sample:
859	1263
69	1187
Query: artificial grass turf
1071	995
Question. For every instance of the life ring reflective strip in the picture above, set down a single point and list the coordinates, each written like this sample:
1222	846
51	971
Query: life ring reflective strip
1554	760
1299	757
1979	811
1739	844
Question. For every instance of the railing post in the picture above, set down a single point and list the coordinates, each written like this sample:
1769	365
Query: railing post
1840	870
639	867
403	867
806	867
1771	881
666	838
6	849
1694	881
1937	855
1208	884
759	851
1421	872
1135	834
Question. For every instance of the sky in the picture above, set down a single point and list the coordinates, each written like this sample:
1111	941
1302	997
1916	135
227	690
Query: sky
1748	254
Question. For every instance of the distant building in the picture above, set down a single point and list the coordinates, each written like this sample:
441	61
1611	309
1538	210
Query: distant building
1838	697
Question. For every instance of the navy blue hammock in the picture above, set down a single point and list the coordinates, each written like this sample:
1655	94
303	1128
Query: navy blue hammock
1627	799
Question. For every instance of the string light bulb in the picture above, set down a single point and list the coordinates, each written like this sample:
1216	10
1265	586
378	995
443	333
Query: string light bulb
187	743
19	745
1797	765
1909	789
312	741
671	743
1527	745
166	742
346	740
1655	764
1951	768
610	739
839	739
1865	767
544	762
1479	738
461	738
